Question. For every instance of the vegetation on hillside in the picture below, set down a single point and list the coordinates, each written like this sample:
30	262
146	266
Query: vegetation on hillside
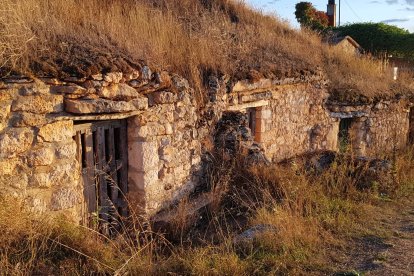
308	217
194	38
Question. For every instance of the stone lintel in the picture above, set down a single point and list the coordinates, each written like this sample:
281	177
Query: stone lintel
248	105
344	115
99	117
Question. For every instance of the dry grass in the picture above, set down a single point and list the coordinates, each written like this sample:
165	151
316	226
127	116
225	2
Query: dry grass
191	37
311	215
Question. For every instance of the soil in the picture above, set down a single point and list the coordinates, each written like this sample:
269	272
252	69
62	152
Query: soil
394	255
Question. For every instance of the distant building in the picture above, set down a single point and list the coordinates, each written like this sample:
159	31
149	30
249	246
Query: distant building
348	44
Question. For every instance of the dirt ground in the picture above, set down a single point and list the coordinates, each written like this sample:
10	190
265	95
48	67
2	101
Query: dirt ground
394	255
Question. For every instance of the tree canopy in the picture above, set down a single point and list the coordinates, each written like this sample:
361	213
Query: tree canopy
380	37
308	16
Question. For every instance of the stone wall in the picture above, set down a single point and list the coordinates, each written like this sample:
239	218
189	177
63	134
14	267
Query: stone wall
376	129
168	131
290	119
39	156
37	153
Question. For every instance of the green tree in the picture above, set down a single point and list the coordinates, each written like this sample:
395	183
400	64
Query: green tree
379	38
308	16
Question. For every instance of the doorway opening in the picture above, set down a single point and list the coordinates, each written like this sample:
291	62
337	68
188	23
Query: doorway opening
251	117
344	138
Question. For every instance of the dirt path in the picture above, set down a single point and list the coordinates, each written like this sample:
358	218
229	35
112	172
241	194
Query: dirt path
398	256
372	255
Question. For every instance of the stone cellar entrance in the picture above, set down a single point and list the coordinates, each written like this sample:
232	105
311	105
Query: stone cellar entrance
344	138
103	155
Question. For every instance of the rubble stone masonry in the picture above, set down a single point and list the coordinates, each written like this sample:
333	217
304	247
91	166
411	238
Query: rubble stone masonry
168	131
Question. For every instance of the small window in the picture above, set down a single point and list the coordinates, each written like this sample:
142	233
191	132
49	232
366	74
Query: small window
343	135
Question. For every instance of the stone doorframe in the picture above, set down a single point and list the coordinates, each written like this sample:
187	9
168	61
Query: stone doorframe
259	115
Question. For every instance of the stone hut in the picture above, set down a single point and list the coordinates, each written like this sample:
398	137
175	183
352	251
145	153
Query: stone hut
347	44
82	146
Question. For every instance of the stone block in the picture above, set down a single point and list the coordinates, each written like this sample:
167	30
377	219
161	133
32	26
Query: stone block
66	151
135	132
8	166
15	141
168	129
42	156
143	156
104	106
113	77
36	204
179	113
64	198
69	89
5	108
167	153
118	92
41	180
38	104
56	132
264	114
156	129
22	119
65	173
17	181
142	180
164	97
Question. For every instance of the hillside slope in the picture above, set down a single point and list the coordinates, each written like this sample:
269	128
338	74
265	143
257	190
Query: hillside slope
194	38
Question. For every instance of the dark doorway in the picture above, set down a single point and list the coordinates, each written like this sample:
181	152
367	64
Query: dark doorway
411	129
251	116
344	135
102	152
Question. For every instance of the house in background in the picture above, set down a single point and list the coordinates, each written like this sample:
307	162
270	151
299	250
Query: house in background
348	44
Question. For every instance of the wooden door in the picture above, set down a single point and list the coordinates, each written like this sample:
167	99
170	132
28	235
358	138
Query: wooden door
102	153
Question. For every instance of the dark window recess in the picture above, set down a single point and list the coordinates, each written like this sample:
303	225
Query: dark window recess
343	135
411	129
251	116
102	151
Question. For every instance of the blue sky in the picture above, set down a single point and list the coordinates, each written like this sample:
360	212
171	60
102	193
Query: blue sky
394	12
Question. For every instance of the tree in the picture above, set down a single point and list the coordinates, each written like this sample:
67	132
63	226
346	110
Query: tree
379	38
308	16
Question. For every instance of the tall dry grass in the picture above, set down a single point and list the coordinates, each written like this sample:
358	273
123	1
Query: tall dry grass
191	37
308	216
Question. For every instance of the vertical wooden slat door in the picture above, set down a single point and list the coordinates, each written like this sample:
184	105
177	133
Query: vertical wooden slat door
102	153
